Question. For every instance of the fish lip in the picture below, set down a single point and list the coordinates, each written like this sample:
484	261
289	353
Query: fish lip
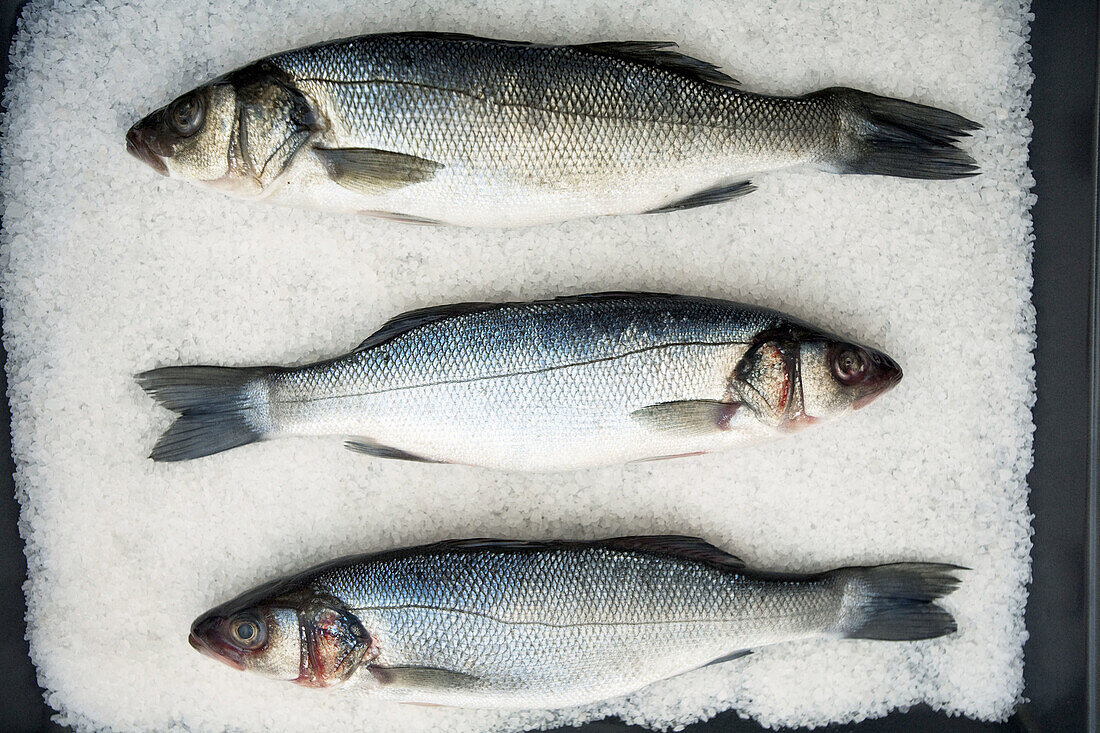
205	642
137	145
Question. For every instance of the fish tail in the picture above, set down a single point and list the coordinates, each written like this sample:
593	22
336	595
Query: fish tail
891	137
219	407
897	602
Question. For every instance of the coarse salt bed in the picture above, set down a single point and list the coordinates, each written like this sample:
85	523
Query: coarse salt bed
109	270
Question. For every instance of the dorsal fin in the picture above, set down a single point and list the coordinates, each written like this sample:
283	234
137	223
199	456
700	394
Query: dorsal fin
459	37
610	295
674	544
406	322
679	545
652	53
490	543
658	53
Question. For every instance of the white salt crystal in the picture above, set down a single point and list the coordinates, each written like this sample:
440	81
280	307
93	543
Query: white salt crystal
110	270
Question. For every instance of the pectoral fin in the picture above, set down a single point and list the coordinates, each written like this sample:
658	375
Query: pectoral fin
688	417
371	171
424	679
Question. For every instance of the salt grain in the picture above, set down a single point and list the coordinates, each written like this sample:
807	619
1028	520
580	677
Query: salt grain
110	270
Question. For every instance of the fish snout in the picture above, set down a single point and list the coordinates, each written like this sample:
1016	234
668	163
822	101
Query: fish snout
889	369
138	144
206	638
883	374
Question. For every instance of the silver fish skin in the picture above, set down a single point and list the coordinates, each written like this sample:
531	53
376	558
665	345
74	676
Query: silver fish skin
515	624
549	385
444	128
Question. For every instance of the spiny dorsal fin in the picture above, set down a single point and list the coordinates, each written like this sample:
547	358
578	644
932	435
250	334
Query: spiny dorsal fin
613	295
658	53
490	543
405	322
460	38
652	53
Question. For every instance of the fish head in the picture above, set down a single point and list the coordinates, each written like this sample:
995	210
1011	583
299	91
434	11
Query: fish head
795	377
237	134
260	639
292	637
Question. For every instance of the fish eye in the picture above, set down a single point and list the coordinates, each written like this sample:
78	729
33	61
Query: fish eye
186	115
849	365
247	632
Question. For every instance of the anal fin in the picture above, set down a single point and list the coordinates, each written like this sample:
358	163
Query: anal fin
729	657
688	417
402	218
670	457
708	196
370	448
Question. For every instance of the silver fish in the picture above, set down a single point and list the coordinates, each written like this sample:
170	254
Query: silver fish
445	128
512	624
549	385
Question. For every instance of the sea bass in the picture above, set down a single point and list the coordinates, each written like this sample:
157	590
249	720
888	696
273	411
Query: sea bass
511	624
445	128
560	384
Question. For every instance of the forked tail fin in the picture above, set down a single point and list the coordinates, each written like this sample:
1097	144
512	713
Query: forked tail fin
897	602
891	137
220	408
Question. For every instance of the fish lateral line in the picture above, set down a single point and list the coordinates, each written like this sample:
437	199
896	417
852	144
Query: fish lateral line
489	99
508	375
551	624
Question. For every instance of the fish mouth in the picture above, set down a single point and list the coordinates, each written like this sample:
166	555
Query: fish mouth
204	639
885	375
137	145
